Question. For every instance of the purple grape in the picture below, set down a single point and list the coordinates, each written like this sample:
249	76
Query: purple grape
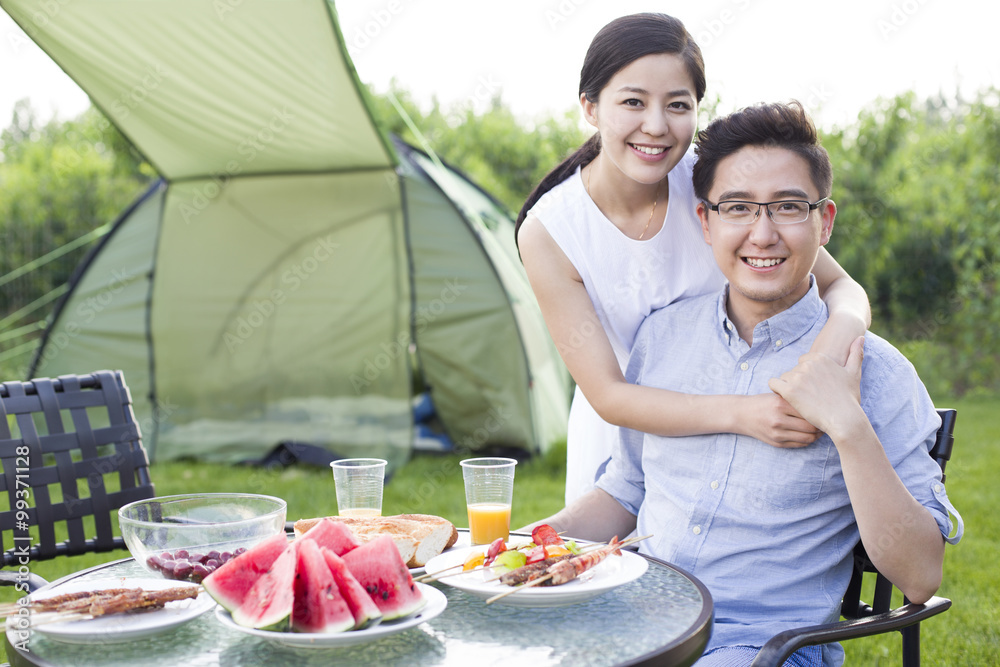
212	564
225	557
166	555
240	551
181	554
199	572
182	569
212	555
155	562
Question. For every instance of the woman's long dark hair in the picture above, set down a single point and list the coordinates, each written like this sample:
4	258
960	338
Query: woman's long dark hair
616	46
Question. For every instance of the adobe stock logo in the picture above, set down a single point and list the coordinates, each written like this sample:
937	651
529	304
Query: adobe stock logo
899	17
380	19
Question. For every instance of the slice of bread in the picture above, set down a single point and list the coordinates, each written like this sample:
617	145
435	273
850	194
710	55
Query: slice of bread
419	537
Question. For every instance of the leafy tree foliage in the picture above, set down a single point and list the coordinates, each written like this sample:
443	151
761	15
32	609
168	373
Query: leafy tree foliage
919	227
494	148
58	182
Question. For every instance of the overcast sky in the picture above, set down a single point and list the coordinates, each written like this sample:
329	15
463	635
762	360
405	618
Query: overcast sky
836	56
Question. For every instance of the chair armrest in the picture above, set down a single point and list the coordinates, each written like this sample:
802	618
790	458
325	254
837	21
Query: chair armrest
778	648
12	578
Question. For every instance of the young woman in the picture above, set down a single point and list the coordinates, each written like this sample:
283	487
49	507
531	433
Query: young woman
612	234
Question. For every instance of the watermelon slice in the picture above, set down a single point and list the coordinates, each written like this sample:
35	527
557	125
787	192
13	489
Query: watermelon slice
318	605
333	535
365	610
380	569
231	582
268	603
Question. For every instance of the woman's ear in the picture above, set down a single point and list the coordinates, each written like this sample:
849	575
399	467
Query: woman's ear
589	109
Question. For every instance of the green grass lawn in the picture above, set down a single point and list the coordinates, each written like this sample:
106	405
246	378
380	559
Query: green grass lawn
967	634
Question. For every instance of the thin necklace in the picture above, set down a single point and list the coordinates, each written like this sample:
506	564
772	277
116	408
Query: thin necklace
656	201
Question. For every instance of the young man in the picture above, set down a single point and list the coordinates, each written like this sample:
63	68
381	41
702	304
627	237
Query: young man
770	530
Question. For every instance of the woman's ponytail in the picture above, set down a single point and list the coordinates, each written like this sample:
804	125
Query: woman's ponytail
583	156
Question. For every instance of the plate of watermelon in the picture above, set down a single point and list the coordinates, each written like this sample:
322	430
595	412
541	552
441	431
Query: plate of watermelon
436	603
323	589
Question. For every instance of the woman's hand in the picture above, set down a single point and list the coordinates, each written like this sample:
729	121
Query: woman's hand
837	336
771	419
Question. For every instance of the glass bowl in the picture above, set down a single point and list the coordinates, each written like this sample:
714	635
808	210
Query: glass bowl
185	537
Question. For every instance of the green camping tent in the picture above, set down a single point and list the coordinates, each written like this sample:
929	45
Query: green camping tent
295	276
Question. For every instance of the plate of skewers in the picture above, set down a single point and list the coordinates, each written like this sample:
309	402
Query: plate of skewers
110	610
545	571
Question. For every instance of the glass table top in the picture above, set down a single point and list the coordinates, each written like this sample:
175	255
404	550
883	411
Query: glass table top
664	617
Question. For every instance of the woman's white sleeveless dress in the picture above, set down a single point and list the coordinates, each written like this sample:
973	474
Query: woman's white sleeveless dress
626	280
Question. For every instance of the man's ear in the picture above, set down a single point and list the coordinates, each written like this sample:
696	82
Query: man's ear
828	213
702	210
589	109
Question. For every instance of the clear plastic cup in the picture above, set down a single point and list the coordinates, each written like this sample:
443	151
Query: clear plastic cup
489	490
359	486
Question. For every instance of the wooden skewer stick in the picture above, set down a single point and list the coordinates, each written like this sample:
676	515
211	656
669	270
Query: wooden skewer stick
44	617
428	577
533	582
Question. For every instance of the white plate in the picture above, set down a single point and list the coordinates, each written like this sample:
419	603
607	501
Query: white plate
610	573
436	603
127	626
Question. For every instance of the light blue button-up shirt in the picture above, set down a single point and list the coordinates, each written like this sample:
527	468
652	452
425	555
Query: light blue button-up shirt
769	531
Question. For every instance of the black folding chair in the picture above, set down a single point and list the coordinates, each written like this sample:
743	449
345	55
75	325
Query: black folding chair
861	619
71	450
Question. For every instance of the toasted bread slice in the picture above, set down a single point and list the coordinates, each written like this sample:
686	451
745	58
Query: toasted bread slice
419	537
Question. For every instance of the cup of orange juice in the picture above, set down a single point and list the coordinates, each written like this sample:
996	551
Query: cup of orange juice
359	486
489	489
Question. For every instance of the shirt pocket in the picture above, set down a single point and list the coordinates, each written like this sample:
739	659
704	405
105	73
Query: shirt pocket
791	477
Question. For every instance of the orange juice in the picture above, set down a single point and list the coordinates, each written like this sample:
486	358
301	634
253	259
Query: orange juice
360	512
488	521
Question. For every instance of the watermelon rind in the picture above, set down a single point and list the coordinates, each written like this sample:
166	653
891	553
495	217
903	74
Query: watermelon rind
380	570
366	612
318	605
333	535
231	582
268	603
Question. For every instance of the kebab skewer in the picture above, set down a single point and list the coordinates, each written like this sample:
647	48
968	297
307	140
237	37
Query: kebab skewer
564	570
94	604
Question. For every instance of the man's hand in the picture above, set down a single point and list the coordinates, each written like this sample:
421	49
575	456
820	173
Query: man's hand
825	393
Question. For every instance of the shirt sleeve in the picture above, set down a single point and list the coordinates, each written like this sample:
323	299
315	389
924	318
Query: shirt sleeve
906	422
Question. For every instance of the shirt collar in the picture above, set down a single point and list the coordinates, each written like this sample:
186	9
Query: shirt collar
784	328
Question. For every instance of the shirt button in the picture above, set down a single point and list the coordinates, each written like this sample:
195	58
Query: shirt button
938	488
715	484
696	530
744	366
729	325
777	343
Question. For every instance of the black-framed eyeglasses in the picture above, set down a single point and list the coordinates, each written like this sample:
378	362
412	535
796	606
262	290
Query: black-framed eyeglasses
782	212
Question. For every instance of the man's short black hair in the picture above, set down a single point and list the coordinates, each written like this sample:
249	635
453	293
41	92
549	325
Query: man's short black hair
776	124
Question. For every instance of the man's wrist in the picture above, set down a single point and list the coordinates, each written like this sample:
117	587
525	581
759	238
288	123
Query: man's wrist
851	430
